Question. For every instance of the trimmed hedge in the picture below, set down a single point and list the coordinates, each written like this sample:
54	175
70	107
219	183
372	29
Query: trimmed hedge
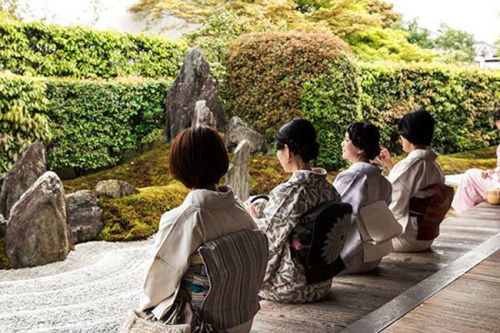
274	77
49	50
86	124
462	101
22	119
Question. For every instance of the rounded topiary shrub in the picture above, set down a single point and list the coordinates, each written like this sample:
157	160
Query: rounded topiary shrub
273	77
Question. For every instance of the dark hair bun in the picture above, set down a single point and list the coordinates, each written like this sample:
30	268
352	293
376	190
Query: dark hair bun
365	136
417	127
300	137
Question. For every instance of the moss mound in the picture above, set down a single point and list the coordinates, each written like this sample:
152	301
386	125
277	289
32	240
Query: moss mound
137	216
148	169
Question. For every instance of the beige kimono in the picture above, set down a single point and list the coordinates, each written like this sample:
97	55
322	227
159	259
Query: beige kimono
204	215
408	177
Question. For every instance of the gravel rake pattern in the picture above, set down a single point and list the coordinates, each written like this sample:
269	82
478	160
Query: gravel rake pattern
90	291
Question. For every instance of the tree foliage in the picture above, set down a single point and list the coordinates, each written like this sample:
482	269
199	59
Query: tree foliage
354	21
418	35
457	45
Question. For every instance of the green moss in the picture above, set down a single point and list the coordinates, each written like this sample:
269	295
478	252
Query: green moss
148	169
460	162
137	216
4	260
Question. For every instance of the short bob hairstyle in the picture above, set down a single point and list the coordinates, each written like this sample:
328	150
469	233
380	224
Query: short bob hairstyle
198	157
365	136
300	137
417	127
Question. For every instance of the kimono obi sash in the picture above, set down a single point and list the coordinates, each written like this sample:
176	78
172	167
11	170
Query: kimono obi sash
316	242
431	209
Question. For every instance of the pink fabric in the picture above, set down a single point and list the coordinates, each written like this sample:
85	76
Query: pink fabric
473	188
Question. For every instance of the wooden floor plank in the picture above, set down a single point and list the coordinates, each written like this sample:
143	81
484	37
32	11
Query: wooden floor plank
469	304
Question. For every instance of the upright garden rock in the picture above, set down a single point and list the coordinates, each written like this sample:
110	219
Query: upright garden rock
114	188
3	225
238	130
203	116
24	173
37	231
238	173
193	84
84	215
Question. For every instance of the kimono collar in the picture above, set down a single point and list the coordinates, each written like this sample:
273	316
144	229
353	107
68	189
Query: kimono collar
422	154
412	158
308	176
206	198
366	168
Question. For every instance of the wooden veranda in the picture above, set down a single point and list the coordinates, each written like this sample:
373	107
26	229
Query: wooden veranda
412	292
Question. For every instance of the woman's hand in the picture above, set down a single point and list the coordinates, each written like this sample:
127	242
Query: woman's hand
487	174
250	209
384	158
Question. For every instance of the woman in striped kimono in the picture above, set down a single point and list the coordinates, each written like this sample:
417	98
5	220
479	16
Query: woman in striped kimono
360	185
198	159
285	279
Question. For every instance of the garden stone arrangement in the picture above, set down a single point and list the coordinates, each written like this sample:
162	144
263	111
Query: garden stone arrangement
37	232
84	215
194	83
26	170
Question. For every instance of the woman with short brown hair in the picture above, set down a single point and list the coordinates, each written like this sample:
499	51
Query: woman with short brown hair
198	159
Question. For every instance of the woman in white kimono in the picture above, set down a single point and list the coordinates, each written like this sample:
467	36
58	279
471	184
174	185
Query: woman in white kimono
198	159
360	185
412	175
285	279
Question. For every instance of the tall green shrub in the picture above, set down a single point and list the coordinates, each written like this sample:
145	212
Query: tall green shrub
274	77
22	104
90	123
462	102
48	50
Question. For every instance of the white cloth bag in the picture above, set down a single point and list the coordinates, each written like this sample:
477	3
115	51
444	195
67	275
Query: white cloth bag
377	226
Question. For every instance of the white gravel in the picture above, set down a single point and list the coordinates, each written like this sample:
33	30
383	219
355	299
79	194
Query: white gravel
90	291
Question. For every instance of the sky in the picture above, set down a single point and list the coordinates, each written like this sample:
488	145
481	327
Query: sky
98	14
478	17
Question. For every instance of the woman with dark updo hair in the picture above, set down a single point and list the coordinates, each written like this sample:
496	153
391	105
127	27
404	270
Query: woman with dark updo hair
284	280
412	175
361	185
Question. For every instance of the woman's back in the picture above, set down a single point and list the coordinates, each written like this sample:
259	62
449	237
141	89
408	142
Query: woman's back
285	280
408	178
204	215
361	185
